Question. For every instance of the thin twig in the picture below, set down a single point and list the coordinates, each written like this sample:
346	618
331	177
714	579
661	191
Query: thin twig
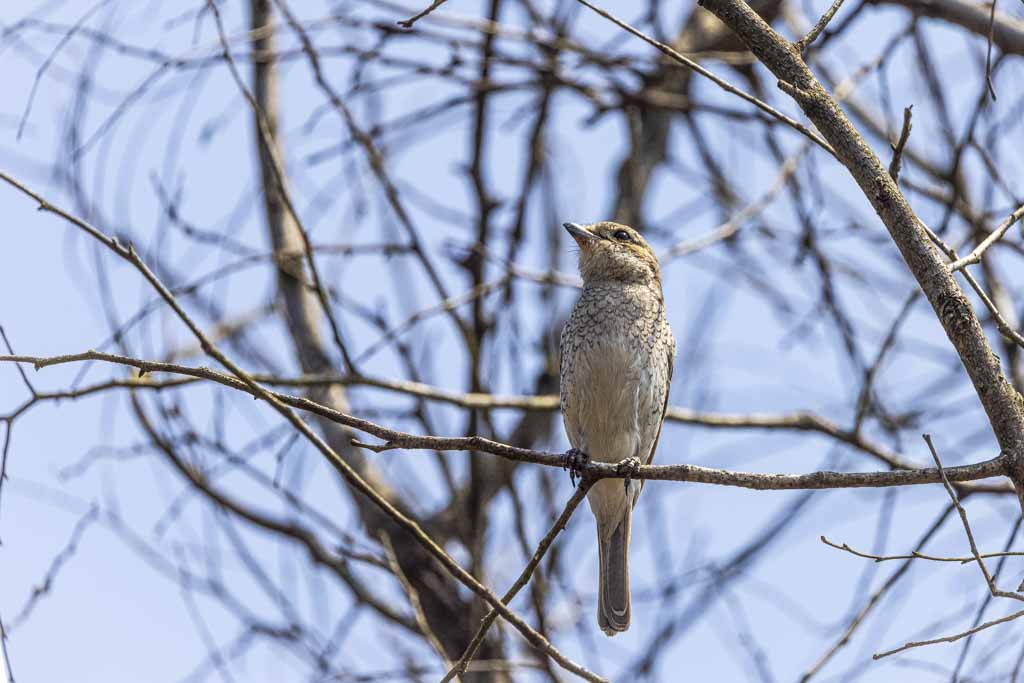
538	555
874	600
723	84
950	639
915	555
344	468
989	581
407	23
897	149
997	234
806	41
988	54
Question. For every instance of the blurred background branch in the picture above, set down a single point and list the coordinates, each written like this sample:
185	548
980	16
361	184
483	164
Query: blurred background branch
363	215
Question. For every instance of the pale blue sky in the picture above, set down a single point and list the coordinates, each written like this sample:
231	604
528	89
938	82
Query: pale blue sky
112	616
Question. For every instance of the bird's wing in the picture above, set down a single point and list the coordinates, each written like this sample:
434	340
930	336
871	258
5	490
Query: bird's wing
567	382
664	406
671	357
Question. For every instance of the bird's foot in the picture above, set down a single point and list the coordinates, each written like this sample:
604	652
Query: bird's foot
575	460
629	467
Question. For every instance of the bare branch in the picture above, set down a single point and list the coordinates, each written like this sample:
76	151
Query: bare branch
723	84
989	581
524	577
901	144
915	555
393	439
351	476
813	34
952	638
997	234
407	23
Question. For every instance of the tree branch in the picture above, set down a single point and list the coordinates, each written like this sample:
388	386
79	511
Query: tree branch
1002	404
351	476
393	439
721	83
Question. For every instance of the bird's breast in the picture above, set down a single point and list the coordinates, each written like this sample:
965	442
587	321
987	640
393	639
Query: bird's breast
602	396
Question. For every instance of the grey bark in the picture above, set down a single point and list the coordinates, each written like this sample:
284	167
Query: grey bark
1002	403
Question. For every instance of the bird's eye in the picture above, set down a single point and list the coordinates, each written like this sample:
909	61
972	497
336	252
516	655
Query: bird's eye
621	235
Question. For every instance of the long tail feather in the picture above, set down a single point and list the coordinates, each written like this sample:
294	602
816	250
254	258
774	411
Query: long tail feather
613	594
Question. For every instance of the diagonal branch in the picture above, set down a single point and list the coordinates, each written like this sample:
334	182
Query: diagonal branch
989	581
344	468
952	638
997	234
524	577
1003	405
720	82
813	34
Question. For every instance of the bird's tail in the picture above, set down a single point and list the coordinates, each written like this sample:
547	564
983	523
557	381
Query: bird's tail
613	592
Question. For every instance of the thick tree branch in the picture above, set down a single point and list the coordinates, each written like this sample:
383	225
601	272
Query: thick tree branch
1001	402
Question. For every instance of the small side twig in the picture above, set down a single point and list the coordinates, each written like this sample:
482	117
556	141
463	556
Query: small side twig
988	54
1001	324
975	556
897	150
915	555
806	41
950	639
407	23
989	581
874	600
997	234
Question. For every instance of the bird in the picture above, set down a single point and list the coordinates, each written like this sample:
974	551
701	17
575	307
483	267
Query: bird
617	354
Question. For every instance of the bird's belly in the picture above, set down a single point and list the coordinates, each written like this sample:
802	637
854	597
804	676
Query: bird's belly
605	394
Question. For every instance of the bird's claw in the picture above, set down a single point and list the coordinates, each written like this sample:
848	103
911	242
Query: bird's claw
629	467
575	460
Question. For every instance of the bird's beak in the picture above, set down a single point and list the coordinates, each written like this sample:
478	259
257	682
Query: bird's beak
579	233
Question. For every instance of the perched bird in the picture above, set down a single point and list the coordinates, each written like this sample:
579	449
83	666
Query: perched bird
617	355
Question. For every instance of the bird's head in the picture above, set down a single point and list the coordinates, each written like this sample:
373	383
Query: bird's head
613	252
